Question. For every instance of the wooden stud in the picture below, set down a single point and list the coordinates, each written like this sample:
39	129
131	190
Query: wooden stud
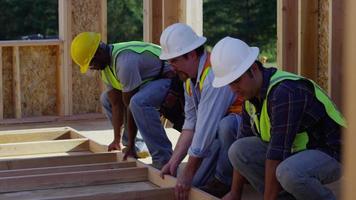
72	179
64	67
58	161
348	41
23	43
336	76
62	169
44	147
191	13
308	38
287	35
1	88
170	13
152	18
16	83
35	136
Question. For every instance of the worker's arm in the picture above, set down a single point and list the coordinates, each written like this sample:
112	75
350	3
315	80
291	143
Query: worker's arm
117	106
180	151
184	181
272	186
238	182
131	125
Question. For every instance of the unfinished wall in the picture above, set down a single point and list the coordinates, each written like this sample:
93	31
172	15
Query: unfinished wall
7	82
38	82
86	16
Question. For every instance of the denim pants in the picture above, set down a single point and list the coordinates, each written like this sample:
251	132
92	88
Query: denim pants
217	164
139	143
301	175
144	106
227	134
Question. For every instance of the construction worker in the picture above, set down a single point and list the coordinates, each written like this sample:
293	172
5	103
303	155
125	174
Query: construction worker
208	130
290	140
137	84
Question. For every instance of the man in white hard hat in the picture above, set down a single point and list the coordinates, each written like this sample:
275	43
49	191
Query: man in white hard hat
137	86
289	144
211	116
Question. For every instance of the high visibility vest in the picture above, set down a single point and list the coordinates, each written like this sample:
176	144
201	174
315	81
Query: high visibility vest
236	107
263	124
108	75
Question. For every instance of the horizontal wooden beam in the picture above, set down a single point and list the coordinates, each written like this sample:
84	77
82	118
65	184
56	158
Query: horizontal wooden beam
152	194
44	147
21	43
72	179
70	168
58	161
14	137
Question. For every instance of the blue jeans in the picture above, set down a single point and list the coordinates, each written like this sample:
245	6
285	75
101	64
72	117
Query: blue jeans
227	134
139	143
217	164
144	106
302	174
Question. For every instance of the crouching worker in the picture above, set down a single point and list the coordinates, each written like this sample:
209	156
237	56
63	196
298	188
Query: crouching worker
137	85
289	144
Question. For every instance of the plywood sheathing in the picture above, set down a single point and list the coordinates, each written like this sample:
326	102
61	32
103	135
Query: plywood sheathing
323	45
38	84
7	82
86	16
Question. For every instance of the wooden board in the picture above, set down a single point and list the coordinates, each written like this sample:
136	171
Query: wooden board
92	174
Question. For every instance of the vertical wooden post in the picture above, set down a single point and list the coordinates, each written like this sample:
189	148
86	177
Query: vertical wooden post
349	71
103	31
336	78
16	82
64	69
152	26
191	13
1	90
287	35
308	38
170	13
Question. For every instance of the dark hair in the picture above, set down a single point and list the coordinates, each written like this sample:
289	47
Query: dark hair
258	63
199	51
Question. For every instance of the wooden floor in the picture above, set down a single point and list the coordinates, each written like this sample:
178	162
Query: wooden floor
100	131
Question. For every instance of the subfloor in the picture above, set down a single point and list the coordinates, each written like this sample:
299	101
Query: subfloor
100	130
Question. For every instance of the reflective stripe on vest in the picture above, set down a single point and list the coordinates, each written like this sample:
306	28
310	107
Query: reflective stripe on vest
263	124
236	107
108	75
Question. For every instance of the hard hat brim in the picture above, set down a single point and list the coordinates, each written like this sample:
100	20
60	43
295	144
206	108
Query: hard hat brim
239	70
196	44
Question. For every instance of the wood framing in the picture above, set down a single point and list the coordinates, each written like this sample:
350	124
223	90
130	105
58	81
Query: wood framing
1	90
16	82
348	41
287	35
308	38
90	175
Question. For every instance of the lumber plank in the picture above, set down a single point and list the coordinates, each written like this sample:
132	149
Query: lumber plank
72	179
16	82
40	147
58	161
79	192
70	168
15	137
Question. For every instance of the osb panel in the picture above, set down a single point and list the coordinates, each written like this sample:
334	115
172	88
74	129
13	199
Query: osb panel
323	32
7	82
86	89
38	80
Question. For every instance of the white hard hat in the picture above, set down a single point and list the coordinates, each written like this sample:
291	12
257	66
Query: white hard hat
230	58
179	39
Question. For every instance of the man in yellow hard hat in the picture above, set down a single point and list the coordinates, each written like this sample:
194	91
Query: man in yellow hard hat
290	141
137	84
212	116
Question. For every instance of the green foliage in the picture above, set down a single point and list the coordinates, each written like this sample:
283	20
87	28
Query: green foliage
253	21
27	17
125	20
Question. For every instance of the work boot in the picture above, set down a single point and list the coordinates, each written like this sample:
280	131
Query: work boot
216	188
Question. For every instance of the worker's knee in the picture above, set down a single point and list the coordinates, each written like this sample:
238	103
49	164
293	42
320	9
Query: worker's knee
227	130
236	155
289	177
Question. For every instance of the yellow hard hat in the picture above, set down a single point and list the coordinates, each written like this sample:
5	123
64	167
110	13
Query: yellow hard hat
83	49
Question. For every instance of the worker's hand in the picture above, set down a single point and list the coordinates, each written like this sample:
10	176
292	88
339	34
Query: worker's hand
130	152
169	169
184	183
115	145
